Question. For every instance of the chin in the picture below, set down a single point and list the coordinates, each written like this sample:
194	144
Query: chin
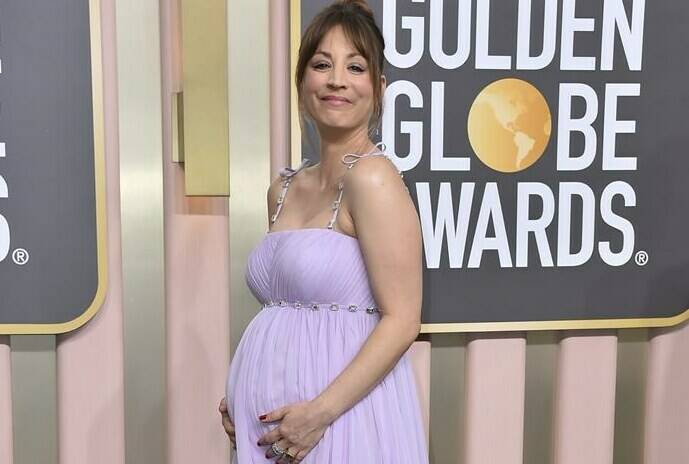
338	127
329	124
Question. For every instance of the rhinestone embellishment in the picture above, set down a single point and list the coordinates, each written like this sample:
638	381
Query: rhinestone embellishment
315	306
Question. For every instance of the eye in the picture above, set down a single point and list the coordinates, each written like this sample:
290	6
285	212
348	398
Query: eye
357	68
320	65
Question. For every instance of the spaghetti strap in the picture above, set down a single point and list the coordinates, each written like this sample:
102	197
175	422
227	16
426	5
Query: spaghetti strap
355	157
287	174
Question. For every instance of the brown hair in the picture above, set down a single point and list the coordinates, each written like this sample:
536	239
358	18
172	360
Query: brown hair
359	26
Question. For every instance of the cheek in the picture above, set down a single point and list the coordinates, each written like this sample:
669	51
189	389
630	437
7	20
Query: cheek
366	100
364	91
312	82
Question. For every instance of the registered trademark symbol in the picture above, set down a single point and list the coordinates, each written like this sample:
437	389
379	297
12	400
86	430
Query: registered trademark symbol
20	256
641	258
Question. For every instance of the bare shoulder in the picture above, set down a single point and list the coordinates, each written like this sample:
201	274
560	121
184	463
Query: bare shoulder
379	202
375	175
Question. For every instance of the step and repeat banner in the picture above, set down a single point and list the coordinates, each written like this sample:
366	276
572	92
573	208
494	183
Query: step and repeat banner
52	218
544	143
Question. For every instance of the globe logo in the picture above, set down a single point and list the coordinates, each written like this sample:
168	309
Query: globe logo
509	125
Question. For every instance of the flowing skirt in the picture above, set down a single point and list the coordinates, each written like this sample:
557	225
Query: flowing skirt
288	355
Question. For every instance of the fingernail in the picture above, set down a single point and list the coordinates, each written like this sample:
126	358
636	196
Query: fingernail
258	443
263	416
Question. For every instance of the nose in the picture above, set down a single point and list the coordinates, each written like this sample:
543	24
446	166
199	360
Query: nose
336	77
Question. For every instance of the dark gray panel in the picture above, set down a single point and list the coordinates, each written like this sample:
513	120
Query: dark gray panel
594	290
46	122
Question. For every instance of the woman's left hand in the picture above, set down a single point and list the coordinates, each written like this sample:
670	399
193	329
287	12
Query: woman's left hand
301	427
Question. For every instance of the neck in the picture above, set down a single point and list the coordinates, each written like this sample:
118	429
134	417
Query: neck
333	147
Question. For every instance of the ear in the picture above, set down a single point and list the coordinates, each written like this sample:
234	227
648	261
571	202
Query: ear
383	84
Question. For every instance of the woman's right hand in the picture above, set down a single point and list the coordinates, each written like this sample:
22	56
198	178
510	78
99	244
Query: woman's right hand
227	423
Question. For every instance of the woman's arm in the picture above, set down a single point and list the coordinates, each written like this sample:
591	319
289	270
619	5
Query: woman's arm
389	234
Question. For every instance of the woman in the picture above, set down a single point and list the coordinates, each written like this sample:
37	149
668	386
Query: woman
321	374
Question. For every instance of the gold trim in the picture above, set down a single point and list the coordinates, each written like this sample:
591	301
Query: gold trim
556	325
177	121
99	172
295	37
205	93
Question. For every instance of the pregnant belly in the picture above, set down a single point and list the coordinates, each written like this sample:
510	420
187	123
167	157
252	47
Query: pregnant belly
290	355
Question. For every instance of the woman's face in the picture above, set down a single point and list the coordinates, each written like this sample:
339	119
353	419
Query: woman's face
337	91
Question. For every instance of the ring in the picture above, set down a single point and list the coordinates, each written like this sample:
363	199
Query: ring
276	449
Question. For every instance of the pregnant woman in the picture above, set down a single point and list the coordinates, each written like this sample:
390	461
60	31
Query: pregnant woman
321	374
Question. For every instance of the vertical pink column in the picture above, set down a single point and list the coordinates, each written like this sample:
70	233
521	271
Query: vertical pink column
279	64
90	359
420	357
494	399
6	437
666	438
584	410
196	289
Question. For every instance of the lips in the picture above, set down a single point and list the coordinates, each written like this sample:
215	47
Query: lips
335	98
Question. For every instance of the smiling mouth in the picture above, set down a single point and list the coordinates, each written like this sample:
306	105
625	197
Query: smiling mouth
335	102
336	99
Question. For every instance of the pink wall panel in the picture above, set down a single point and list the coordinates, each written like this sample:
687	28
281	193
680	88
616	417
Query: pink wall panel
196	289
494	398
90	360
420	356
6	439
279	63
584	410
667	397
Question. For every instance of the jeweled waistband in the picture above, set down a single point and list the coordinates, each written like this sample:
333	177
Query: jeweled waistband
317	306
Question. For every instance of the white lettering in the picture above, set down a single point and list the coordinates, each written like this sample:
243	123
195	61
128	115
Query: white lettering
484	60
4	225
612	126
444	223
524	58
537	226
415	27
632	37
413	128
617	222
490	209
570	25
566	124
438	160
565	257
439	56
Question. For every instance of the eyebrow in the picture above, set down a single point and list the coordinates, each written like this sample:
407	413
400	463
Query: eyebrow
330	56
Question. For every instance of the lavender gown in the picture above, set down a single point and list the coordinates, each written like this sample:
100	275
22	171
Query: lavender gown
317	313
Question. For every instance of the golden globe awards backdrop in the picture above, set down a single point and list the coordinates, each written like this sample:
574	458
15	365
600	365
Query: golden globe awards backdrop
52	243
544	145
